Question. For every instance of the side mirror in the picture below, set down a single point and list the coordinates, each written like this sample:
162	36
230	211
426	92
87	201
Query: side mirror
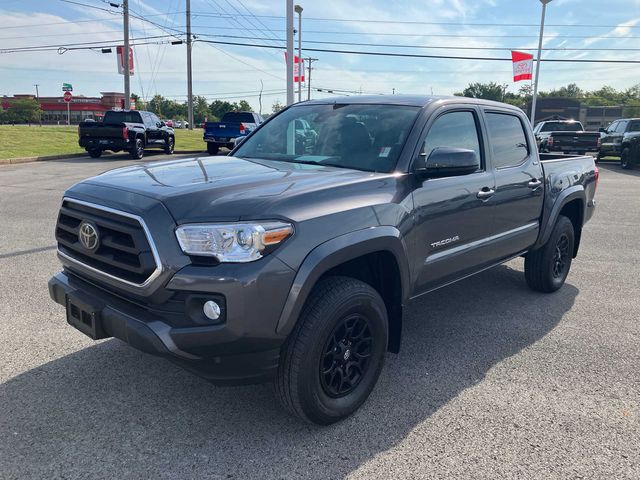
160	124
447	162
602	130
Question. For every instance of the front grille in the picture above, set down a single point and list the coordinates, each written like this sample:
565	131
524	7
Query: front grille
123	249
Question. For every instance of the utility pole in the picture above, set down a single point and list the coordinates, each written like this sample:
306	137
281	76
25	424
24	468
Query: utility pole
290	54
189	75
309	62
38	100
298	10
535	85
125	56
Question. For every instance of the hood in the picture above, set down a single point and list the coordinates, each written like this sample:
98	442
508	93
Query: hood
217	188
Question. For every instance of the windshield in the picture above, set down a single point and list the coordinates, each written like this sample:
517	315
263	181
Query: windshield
362	137
562	127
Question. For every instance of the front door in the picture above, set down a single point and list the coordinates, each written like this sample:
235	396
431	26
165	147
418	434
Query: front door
612	138
452	214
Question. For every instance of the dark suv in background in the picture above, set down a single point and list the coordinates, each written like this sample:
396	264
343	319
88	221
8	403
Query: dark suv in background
620	139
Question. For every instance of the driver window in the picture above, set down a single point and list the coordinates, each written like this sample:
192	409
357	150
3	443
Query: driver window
454	130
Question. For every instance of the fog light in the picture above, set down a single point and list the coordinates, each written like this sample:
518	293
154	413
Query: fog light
211	310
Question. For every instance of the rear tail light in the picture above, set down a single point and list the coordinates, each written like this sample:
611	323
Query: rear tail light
599	142
597	176
125	133
242	128
550	141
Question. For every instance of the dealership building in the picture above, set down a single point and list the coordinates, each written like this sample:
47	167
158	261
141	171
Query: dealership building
81	108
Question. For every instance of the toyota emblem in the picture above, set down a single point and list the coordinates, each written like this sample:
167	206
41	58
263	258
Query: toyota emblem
88	236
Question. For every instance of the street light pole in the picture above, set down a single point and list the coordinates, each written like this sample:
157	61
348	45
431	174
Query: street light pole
298	10
125	56
290	98
189	74
535	84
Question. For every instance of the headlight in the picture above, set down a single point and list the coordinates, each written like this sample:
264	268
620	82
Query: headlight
232	242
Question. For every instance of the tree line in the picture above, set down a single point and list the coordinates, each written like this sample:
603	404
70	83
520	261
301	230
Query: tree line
605	96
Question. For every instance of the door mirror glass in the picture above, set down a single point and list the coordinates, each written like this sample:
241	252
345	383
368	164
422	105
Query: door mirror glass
602	130
448	162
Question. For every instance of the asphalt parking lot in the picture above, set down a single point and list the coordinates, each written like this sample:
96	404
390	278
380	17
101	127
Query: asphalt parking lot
493	380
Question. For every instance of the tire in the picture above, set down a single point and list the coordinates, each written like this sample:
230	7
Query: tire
625	158
598	157
137	152
170	144
212	148
546	269
95	153
338	317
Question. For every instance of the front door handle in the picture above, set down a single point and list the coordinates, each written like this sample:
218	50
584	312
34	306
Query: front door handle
535	183
485	193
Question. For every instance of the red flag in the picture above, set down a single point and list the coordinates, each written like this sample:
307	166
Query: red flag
297	65
522	65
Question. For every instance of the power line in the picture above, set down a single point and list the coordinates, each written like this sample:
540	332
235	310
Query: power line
415	22
415	55
80	46
443	47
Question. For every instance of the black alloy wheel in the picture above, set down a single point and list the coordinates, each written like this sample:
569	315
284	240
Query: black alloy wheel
561	256
346	356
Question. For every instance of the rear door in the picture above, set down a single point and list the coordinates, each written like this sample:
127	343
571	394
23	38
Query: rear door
452	217
154	133
519	181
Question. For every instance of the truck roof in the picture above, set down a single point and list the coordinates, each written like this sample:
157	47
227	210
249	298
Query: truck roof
409	100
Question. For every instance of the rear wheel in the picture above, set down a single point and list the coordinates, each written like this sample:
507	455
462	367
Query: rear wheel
212	149
169	145
137	152
332	359
625	158
546	269
95	153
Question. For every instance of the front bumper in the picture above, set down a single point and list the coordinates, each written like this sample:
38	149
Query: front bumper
235	351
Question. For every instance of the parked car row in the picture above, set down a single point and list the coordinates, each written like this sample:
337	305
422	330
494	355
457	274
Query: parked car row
620	139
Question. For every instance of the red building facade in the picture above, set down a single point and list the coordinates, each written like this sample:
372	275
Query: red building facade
54	109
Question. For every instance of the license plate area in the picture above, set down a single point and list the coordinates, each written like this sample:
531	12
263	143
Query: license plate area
103	142
84	315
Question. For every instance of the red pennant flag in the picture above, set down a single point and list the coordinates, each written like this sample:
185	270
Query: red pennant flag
522	65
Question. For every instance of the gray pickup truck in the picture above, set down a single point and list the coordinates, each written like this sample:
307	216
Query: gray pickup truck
292	260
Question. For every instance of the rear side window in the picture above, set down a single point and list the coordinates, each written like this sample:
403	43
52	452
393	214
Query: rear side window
455	130
508	140
622	126
635	126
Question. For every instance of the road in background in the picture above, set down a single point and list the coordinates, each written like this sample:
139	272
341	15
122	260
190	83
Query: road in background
493	380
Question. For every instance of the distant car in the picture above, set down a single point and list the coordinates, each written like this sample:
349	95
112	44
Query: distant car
616	140
168	123
565	136
178	124
233	126
129	130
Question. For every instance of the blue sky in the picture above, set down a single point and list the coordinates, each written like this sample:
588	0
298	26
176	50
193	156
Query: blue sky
235	72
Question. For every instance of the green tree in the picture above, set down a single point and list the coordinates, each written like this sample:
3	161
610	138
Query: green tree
23	110
219	107
570	91
277	106
244	106
488	91
200	109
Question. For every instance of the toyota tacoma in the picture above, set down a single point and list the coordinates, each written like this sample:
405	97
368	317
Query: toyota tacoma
293	258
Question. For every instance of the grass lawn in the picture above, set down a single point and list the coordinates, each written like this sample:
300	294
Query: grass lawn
35	141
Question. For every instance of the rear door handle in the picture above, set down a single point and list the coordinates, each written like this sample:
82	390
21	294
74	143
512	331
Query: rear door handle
485	193
535	183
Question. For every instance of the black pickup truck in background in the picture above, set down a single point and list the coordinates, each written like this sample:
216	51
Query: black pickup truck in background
621	139
293	260
128	130
565	136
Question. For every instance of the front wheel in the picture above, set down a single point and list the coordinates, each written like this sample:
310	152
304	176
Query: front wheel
95	153
625	160
332	359
212	149
169	145
546	269
137	152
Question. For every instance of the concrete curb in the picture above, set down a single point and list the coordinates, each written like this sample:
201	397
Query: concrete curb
13	161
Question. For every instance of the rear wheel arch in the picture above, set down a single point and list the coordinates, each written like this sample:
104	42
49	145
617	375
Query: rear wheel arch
574	211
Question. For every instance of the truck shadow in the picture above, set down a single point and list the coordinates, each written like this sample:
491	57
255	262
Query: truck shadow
110	411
